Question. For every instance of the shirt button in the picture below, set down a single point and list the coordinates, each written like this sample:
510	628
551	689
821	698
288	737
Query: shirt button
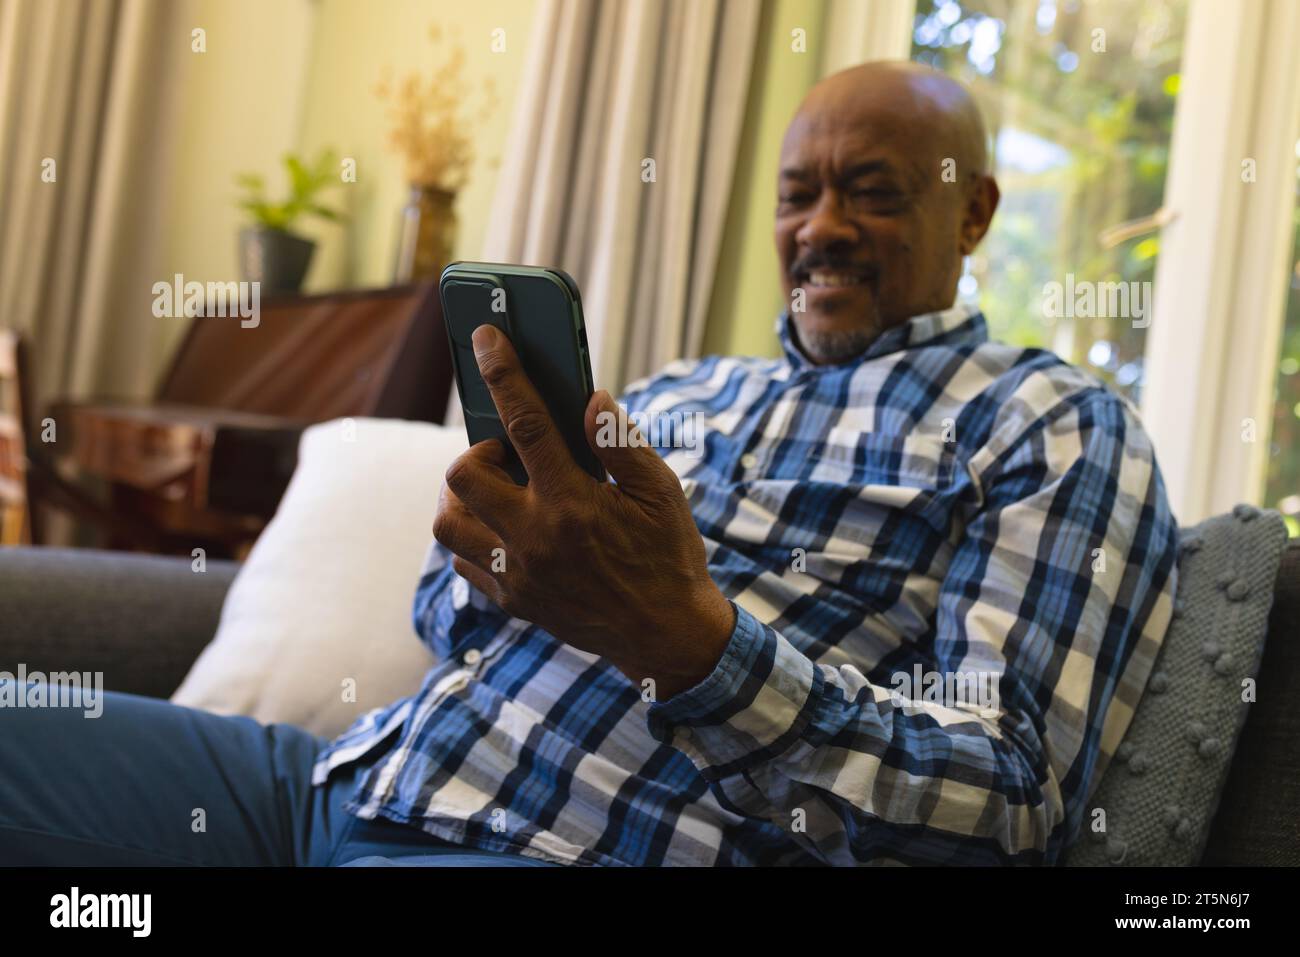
748	460
472	657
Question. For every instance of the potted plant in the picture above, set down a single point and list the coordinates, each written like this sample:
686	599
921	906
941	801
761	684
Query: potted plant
431	117
269	252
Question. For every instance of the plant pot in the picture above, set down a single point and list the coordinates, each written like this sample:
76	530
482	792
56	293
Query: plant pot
274	258
427	234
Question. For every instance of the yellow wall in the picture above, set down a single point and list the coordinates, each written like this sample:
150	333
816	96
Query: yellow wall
238	102
353	42
299	75
747	293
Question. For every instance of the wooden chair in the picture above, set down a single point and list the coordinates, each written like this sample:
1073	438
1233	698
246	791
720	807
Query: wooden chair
15	515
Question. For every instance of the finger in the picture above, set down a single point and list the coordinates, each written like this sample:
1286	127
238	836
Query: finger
461	533
483	486
480	579
624	451
523	413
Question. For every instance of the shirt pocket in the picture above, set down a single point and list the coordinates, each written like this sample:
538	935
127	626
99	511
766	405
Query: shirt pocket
867	502
915	460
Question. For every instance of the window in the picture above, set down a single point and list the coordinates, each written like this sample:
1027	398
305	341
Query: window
1283	488
1079	101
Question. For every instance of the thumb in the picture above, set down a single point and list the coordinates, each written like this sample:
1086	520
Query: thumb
624	451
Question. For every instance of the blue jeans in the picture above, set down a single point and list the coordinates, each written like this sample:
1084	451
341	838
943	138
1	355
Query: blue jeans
148	782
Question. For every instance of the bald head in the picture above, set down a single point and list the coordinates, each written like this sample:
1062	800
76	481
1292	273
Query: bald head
884	187
932	105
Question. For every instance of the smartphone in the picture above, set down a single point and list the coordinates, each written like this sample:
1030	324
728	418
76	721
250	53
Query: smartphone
540	311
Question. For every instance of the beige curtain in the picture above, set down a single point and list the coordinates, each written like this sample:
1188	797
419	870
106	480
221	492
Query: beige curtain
606	88
87	84
858	31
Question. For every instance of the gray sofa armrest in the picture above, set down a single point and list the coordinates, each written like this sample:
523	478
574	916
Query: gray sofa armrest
141	620
1256	822
1157	798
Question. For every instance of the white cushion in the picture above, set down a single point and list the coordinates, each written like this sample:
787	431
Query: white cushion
316	628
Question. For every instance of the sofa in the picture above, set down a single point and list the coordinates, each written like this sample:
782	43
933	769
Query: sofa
1205	774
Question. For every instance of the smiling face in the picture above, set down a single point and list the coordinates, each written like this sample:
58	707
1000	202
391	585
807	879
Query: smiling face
867	225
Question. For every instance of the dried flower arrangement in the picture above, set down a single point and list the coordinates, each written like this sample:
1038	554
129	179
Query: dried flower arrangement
430	116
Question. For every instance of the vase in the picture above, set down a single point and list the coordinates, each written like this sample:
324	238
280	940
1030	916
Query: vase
428	231
274	258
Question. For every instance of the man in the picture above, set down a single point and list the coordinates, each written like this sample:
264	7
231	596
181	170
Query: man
900	609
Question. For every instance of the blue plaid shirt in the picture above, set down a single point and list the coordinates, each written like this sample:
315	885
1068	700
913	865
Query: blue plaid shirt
940	506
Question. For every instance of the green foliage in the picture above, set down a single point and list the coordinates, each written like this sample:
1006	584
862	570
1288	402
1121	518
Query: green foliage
1284	445
1105	117
1034	69
306	181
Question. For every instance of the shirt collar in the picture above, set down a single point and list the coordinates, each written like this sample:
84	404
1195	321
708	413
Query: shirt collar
961	323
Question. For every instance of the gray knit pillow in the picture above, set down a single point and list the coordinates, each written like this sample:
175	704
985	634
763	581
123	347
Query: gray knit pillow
1163	786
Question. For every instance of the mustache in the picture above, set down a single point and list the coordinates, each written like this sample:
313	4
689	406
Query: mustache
830	263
